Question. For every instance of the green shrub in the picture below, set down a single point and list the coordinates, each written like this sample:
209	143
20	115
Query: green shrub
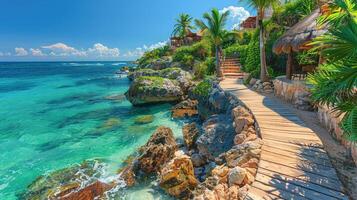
186	55
292	12
205	68
156	82
152	55
252	62
308	58
237	50
203	88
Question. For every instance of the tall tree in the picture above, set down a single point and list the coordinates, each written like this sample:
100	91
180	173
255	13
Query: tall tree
214	27
183	26
261	6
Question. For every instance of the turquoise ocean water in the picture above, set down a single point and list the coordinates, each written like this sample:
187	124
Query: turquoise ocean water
56	114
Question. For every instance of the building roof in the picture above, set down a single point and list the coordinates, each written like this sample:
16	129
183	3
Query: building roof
250	22
299	35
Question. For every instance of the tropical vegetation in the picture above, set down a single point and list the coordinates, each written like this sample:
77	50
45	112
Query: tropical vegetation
183	26
335	82
261	6
214	27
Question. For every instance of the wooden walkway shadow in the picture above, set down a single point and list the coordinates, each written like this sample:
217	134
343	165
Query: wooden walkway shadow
293	163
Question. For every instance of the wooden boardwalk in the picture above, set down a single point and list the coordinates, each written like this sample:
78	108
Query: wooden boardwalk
293	163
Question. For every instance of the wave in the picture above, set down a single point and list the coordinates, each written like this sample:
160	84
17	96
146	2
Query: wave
83	64
121	63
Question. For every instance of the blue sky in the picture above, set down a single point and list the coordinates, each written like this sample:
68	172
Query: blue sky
42	30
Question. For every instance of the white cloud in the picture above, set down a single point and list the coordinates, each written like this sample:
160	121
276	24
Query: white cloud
237	15
61	49
139	51
99	50
36	52
19	51
1	54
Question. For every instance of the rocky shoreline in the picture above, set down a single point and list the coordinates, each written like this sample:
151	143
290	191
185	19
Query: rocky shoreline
220	154
217	159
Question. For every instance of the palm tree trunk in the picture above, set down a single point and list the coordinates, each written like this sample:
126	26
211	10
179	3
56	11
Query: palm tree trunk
218	63
263	63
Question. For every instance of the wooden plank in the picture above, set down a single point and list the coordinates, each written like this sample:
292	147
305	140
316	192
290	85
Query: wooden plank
258	194
302	175
276	191
293	128
303	184
302	142
309	151
313	147
288	135
298	163
286	139
316	159
292	188
293	163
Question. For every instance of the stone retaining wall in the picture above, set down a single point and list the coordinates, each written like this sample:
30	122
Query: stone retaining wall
294	92
331	121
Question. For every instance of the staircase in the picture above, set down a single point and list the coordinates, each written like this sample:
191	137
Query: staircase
231	68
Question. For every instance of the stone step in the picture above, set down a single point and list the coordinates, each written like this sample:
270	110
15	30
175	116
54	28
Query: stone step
231	70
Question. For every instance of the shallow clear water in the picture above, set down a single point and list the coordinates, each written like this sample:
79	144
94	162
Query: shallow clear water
53	115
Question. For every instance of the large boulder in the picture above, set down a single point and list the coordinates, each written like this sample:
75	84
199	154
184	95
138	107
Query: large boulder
186	108
159	150
242	153
184	78
93	191
218	136
190	133
148	89
67	181
177	177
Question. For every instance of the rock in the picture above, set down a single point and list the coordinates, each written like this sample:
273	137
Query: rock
116	97
128	175
109	124
243	119
252	163
147	89
144	119
242	153
63	181
252	171
217	137
236	176
243	191
90	192
252	81
198	160
245	135
233	192
221	192
177	177
187	108
190	133
267	84
218	100
249	179
221	172
159	150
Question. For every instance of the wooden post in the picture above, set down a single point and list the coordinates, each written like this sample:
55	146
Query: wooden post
289	66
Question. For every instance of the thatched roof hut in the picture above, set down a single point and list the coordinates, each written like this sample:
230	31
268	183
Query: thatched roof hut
296	38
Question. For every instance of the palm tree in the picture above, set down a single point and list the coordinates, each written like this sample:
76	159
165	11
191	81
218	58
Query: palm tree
214	26
261	5
335	82
183	26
